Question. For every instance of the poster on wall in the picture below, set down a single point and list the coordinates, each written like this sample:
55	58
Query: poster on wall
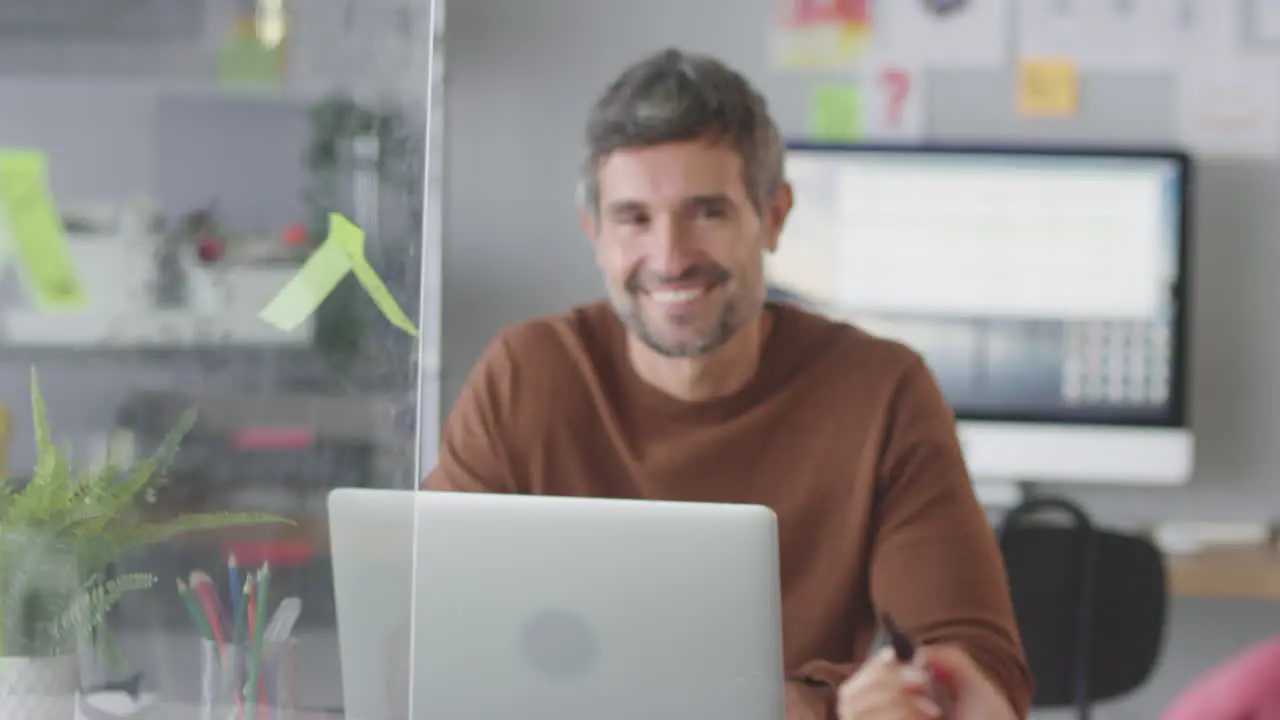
1109	35
1230	107
959	34
821	34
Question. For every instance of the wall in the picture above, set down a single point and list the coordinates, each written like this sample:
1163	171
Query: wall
522	74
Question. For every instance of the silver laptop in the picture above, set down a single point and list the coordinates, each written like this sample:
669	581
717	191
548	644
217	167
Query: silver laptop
544	608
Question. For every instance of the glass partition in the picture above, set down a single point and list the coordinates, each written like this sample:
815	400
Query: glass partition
219	302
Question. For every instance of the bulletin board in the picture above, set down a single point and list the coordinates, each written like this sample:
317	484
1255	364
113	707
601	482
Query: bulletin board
1199	75
1212	61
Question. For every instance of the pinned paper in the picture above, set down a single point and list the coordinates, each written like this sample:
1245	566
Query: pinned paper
1109	35
342	252
1048	88
34	233
948	34
1266	19
836	113
821	34
1228	107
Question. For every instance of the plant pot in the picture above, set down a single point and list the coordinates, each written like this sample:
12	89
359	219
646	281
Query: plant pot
39	688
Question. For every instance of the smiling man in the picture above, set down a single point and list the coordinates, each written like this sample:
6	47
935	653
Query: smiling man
689	385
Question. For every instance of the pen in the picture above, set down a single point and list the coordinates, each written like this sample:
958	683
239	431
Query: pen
904	649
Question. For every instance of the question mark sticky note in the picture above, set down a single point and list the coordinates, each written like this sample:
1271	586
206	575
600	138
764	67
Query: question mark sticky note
1048	88
342	252
895	102
35	233
835	113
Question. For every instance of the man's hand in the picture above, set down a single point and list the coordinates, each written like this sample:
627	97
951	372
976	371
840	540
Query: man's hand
806	702
973	696
885	689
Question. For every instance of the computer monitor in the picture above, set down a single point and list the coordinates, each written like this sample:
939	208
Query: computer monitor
1045	288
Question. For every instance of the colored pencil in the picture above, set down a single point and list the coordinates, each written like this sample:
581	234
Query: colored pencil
193	609
207	588
237	625
234	584
252	614
207	594
259	629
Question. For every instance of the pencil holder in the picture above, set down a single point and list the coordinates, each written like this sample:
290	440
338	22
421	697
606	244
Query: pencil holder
238	684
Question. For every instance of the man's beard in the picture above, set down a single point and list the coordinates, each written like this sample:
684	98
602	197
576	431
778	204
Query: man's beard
733	314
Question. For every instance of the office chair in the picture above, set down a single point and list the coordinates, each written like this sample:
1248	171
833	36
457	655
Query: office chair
1090	603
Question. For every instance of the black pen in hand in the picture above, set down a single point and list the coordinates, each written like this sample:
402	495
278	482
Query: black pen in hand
904	648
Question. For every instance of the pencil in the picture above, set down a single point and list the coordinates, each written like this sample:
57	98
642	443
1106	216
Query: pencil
193	609
204	591
208	592
259	629
237	625
234	584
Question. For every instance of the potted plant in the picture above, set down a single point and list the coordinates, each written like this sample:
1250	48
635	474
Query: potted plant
59	533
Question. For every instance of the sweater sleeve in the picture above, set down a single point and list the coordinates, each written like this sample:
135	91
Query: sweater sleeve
474	453
935	562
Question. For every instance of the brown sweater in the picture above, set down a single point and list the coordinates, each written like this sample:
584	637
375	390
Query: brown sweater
845	436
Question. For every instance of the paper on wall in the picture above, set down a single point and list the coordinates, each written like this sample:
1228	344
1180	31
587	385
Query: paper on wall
968	34
1209	27
1048	88
893	107
1229	106
821	34
835	113
1114	35
1266	20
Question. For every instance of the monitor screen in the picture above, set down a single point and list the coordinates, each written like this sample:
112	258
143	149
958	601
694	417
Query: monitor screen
1040	286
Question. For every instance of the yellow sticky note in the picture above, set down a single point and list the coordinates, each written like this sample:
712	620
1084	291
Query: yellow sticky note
1048	88
835	113
341	252
36	232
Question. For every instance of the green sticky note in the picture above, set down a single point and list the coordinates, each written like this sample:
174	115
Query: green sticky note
245	61
835	113
319	275
7	243
36	232
351	238
341	252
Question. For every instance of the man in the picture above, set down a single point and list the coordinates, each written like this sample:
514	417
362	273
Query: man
688	385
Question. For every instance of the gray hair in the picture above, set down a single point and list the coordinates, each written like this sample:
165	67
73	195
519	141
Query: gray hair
673	97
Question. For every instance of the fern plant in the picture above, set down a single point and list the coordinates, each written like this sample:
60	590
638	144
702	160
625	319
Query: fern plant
61	531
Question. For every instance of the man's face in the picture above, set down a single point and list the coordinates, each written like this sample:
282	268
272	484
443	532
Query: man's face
680	244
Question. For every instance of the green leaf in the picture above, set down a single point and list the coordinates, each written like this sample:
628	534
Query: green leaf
60	530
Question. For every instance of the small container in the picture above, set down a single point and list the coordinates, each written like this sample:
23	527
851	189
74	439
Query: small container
225	672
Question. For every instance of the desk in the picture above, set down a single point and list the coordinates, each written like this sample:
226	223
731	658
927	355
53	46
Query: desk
178	711
1238	573
1241	573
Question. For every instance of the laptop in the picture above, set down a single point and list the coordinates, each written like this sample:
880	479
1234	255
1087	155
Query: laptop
548	608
